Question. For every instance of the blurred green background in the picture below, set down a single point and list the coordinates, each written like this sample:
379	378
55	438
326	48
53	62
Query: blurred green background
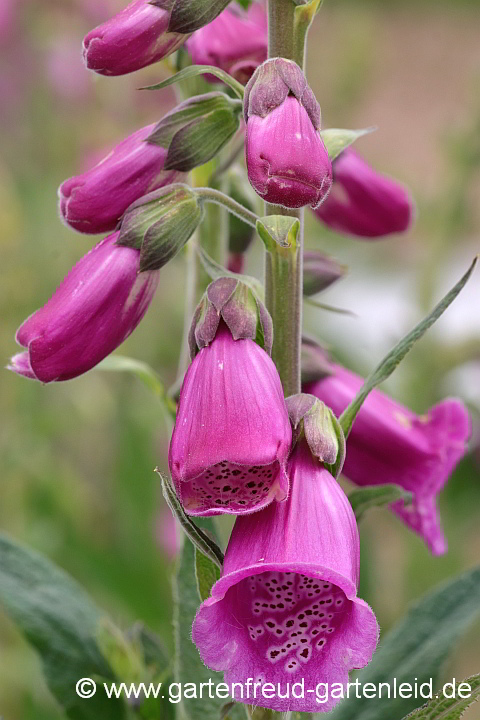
77	459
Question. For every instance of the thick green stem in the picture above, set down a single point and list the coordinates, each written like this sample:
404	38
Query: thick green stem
284	268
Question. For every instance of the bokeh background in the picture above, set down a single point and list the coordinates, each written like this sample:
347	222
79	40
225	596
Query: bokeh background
77	459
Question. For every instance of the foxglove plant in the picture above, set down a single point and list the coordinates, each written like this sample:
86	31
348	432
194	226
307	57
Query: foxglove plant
282	605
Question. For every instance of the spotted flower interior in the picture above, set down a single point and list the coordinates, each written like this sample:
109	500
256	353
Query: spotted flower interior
290	618
232	487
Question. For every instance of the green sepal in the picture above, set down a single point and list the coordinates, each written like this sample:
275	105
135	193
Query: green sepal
311	418
281	230
186	16
196	130
160	223
206	573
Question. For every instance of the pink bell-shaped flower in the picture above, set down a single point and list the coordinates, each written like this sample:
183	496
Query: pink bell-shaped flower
97	306
234	41
232	435
364	202
285	608
388	443
95	201
134	38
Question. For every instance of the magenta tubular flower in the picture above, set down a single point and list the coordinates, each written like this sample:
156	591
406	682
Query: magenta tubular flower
390	444
95	201
286	606
234	41
287	160
97	306
232	435
131	40
363	202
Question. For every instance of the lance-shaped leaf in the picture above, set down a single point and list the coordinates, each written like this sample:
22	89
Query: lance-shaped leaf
160	223
195	70
61	623
207	573
337	140
450	708
372	496
200	540
415	649
395	356
196	130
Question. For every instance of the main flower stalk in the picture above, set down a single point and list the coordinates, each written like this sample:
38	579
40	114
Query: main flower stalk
284	269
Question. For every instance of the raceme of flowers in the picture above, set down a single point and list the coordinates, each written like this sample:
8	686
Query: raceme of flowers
286	603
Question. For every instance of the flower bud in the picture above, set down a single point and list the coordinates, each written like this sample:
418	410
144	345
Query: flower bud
287	160
235	303
235	42
363	202
95	201
160	223
97	306
134	38
313	419
319	272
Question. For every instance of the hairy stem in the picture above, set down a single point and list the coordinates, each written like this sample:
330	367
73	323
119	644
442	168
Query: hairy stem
284	270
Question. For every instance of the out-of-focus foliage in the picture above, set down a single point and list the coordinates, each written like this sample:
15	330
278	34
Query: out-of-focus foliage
77	479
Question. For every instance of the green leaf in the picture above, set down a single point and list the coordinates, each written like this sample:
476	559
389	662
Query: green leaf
189	667
60	622
395	356
416	648
216	271
201	541
337	140
279	230
445	708
328	308
193	70
207	574
372	496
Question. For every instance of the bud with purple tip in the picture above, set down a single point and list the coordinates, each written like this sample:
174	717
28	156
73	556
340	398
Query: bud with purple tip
96	307
232	435
134	38
364	202
287	160
95	201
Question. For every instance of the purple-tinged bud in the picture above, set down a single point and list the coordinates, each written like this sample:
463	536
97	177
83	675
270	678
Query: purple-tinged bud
287	160
319	272
311	418
316	363
289	581
134	38
232	435
95	201
388	443
97	306
363	202
236	41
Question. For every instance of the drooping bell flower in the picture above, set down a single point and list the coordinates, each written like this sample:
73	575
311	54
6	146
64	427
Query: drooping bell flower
97	306
134	38
236	41
286	605
232	436
390	444
364	202
287	160
95	201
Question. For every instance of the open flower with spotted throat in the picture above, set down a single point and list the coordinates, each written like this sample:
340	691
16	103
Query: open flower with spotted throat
286	605
232	435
